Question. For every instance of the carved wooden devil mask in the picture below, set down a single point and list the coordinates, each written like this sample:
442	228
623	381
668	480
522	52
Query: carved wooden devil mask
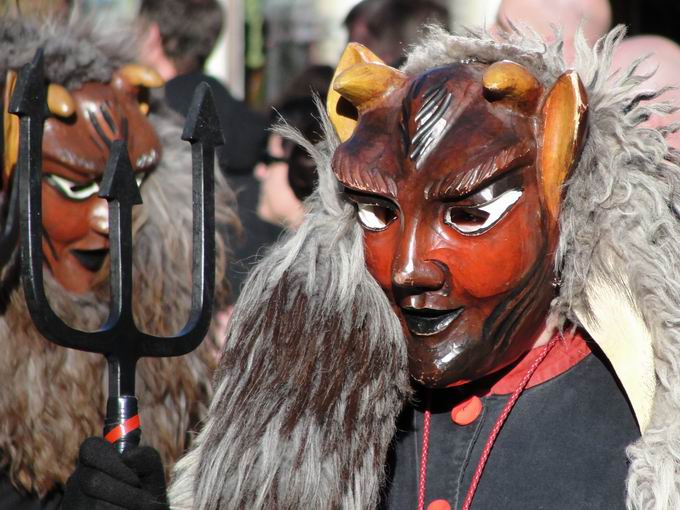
457	176
77	137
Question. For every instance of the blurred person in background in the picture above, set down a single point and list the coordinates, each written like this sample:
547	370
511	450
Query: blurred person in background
178	36
544	16
662	59
389	27
286	173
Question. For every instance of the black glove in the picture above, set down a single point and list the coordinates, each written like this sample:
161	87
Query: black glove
106	480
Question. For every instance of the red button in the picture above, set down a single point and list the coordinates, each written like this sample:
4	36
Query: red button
466	412
439	504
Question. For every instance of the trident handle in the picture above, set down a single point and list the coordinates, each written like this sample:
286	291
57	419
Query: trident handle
122	426
119	339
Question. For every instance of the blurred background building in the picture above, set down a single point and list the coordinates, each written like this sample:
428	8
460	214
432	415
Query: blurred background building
266	43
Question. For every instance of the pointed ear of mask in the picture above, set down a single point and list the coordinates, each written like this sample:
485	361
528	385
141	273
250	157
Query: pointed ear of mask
360	79
10	130
564	117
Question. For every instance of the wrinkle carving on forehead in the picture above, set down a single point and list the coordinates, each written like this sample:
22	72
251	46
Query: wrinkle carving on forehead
439	124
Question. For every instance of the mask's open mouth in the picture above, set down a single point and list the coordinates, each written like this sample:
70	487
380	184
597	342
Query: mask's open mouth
92	260
427	321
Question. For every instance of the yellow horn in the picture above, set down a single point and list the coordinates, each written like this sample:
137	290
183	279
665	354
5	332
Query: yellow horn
10	130
59	101
362	83
342	113
513	83
139	75
564	117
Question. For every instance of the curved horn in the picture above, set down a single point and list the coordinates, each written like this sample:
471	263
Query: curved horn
10	130
564	117
59	101
341	109
131	77
512	83
140	76
362	84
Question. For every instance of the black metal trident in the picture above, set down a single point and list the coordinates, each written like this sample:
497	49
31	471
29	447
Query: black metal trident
118	340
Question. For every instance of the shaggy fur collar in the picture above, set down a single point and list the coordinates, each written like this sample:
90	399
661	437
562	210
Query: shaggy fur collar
76	52
311	379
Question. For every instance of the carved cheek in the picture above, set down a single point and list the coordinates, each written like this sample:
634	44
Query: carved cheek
64	220
380	248
494	262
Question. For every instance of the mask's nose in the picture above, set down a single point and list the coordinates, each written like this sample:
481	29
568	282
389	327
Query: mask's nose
412	268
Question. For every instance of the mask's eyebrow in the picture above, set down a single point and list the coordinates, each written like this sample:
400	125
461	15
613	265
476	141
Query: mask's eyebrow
79	165
367	180
459	184
364	176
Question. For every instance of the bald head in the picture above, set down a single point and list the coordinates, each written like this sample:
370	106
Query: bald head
664	56
541	15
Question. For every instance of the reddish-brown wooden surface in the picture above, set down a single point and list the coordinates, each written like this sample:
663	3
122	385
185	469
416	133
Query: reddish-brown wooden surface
475	146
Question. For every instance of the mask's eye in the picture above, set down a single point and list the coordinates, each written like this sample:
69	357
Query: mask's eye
375	213
375	217
72	190
475	219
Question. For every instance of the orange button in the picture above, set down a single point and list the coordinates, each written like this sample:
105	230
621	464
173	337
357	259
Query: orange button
439	504
466	412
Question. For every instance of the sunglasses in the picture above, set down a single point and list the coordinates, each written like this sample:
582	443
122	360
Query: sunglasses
269	159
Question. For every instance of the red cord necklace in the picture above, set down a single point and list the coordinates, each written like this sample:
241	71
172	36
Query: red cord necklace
489	442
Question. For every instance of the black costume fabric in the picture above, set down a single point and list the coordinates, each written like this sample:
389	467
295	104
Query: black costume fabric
244	130
257	234
13	499
558	449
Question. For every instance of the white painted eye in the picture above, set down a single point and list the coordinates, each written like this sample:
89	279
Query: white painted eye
374	217
477	219
72	190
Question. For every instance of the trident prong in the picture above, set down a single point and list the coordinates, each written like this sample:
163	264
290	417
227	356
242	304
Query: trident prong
119	339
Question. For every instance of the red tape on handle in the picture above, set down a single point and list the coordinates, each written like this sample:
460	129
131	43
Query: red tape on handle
122	430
